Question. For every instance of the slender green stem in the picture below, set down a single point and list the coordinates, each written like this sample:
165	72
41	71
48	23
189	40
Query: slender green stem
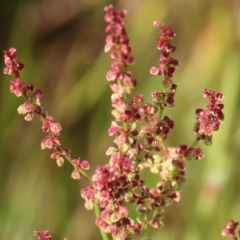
145	225
144	230
161	110
160	114
195	142
163	146
125	126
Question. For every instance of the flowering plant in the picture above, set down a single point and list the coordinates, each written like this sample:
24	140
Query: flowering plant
140	131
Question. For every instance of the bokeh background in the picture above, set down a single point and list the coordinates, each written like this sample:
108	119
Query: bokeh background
61	43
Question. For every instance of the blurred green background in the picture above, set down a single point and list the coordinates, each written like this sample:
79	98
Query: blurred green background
61	43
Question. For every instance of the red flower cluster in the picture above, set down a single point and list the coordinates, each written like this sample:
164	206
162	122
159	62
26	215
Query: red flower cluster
167	64
139	130
166	67
232	229
33	106
209	120
13	66
117	43
42	235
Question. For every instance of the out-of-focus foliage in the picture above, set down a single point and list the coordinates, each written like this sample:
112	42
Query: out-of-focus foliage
61	43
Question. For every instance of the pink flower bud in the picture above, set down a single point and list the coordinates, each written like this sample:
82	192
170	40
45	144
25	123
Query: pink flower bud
47	142
29	116
22	109
154	70
84	165
60	161
75	175
38	93
55	127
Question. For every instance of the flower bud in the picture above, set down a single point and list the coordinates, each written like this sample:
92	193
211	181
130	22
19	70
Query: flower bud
60	161
22	109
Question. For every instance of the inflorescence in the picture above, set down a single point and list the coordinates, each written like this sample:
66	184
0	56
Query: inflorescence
139	130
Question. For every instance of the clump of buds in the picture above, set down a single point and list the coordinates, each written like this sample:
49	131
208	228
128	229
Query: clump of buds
232	229
42	235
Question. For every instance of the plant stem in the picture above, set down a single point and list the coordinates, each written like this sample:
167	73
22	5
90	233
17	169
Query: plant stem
195	142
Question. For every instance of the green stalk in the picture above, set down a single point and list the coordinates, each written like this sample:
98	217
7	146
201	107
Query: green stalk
195	142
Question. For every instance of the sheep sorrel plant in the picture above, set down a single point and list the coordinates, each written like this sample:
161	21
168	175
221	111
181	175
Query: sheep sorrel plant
140	131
